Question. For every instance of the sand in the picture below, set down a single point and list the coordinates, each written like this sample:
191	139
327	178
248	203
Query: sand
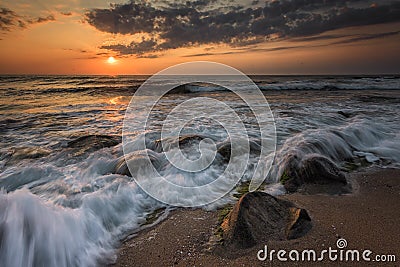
369	218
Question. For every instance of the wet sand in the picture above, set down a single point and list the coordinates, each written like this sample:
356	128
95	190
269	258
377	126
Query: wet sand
369	218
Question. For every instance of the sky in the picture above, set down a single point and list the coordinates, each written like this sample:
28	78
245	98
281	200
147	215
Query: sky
257	37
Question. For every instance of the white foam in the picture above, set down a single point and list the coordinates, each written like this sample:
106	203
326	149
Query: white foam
36	233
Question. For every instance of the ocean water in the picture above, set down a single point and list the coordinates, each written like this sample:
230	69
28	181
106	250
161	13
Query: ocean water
66	197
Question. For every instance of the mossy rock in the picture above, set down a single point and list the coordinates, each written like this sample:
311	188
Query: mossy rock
259	217
242	189
153	216
284	178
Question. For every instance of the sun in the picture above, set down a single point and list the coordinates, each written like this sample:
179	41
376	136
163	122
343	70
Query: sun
111	60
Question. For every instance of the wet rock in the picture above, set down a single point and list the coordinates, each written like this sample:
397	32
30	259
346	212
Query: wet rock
122	168
313	175
173	142
258	217
20	153
224	149
344	114
94	141
189	139
138	161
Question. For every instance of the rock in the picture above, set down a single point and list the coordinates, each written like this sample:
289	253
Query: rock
90	143
299	223
344	114
137	161
122	168
20	153
189	139
94	141
224	149
314	170
258	217
173	142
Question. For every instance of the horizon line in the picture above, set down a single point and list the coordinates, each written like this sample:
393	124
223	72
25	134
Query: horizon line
248	74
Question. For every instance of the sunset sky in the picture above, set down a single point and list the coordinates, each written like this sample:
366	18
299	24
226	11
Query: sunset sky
143	37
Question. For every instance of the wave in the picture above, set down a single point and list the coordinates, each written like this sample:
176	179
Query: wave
92	205
331	83
376	143
129	84
34	233
324	84
92	89
75	214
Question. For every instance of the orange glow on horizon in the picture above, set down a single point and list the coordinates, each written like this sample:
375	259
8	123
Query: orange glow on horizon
62	54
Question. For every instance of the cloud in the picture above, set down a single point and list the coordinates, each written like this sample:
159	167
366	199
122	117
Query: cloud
41	19
366	37
138	48
212	54
317	38
173	25
351	39
9	20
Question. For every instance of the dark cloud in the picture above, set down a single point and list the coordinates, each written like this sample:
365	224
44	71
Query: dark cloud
137	48
318	38
212	54
148	56
10	20
351	39
366	37
41	19
202	22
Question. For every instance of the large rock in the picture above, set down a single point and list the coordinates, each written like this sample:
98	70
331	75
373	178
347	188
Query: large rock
138	161
89	143
258	217
224	149
314	174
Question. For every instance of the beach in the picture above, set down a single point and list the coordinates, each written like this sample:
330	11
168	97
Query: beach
368	218
68	190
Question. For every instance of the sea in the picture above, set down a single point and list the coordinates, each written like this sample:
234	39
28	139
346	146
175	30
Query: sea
67	197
